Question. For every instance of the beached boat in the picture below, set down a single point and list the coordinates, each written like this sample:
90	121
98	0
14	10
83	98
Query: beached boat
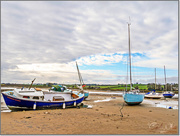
86	93
133	97
34	98
153	94
167	94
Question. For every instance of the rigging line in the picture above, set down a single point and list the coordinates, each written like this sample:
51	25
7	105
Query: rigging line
165	78
127	74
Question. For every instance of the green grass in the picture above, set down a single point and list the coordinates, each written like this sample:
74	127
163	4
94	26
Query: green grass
142	87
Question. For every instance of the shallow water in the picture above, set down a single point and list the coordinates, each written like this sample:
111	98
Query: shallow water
117	93
105	100
168	103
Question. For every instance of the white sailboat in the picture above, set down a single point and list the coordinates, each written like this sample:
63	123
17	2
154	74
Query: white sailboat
167	94
133	97
153	94
86	93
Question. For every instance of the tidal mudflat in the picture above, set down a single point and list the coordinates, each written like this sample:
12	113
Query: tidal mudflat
100	115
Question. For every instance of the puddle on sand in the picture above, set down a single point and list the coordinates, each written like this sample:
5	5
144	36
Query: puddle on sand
105	100
168	104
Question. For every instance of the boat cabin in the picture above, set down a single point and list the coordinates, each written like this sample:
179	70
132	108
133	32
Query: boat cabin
32	93
59	96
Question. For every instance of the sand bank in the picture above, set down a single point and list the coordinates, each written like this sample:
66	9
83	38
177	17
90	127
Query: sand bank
103	118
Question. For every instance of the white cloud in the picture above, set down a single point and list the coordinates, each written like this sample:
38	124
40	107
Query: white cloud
100	59
57	33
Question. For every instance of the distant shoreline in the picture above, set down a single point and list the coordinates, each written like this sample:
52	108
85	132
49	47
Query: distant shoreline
97	88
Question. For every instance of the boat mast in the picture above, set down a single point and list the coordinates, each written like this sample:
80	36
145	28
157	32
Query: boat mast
155	79
80	78
127	74
31	83
130	56
165	78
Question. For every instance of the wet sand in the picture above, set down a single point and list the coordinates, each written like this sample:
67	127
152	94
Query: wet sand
103	118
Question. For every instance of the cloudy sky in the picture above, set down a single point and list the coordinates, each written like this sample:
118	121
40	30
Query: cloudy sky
44	39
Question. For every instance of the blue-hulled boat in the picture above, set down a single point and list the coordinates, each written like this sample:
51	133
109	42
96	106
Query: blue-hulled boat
132	97
33	99
167	94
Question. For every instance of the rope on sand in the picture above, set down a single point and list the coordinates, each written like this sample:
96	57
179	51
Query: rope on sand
121	111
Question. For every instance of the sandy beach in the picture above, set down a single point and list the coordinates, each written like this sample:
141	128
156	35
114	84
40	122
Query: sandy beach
102	116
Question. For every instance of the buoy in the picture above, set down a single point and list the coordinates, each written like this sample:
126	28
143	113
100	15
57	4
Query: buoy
34	106
75	103
64	105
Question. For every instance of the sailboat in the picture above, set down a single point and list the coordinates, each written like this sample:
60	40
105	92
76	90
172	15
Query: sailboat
153	94
86	93
132	97
167	94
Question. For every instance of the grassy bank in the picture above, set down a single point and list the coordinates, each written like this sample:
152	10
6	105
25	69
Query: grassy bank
141	87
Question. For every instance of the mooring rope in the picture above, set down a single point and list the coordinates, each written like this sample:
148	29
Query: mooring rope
121	109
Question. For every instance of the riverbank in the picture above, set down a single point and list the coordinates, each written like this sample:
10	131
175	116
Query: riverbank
102	116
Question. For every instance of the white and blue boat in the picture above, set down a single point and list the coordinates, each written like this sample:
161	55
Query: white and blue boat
167	94
20	99
132	97
153	95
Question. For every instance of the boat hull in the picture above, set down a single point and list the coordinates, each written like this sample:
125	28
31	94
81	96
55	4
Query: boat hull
168	95
15	103
86	94
133	99
153	97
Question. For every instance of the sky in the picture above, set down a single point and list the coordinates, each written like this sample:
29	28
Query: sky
45	39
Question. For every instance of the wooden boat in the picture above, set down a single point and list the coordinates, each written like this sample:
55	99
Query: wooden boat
167	94
132	97
34	98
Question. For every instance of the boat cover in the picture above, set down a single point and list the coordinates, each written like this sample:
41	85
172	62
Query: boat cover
57	88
